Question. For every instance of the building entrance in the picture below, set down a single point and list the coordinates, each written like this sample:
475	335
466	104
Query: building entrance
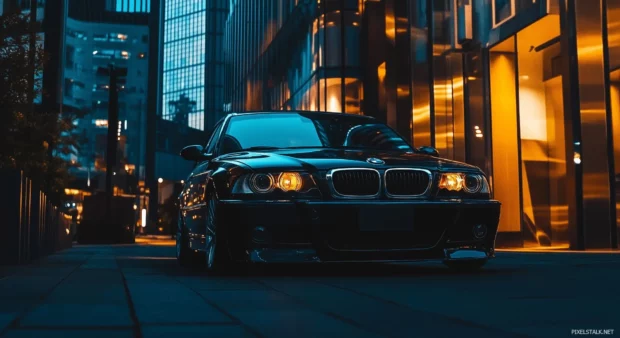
527	128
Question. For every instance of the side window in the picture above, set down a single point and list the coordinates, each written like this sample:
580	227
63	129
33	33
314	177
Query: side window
213	140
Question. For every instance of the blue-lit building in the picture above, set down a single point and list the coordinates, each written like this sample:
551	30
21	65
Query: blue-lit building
129	6
190	80
186	89
192	64
184	58
95	37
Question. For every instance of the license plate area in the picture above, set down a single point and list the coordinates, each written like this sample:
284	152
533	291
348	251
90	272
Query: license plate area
390	218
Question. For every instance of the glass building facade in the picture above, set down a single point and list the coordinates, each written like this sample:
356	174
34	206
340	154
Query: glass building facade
527	90
193	76
186	84
130	6
184	61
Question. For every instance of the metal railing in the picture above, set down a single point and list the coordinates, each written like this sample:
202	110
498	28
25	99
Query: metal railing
31	226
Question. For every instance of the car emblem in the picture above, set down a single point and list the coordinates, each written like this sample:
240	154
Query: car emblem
373	160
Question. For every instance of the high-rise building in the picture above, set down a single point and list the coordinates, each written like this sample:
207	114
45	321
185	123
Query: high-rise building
528	90
187	80
96	37
129	6
192	65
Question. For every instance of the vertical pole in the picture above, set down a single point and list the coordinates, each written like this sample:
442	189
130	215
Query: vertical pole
572	124
112	139
610	131
343	58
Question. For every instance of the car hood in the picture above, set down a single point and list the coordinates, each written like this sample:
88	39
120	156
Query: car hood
325	159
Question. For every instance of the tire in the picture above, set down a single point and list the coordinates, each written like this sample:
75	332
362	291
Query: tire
186	257
217	255
466	265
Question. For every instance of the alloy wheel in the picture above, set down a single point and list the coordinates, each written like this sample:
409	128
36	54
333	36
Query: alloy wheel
211	239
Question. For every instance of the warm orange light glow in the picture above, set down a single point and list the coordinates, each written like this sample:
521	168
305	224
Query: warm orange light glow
381	72
504	132
71	192
333	95
390	26
452	182
290	181
334	104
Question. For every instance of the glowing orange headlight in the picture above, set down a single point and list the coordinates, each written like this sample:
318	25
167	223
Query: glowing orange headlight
290	181
452	182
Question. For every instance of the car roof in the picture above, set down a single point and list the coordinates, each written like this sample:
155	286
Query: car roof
295	111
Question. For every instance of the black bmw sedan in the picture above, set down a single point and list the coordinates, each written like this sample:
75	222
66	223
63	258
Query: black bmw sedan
323	187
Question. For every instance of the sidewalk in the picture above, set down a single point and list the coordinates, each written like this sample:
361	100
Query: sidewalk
560	250
139	290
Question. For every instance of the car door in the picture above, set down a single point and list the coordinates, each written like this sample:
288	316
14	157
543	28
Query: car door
195	203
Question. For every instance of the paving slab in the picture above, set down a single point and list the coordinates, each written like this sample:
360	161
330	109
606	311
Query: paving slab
299	323
78	315
161	300
68	333
210	331
6	319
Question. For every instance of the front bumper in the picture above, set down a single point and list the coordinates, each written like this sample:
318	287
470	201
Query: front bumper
315	231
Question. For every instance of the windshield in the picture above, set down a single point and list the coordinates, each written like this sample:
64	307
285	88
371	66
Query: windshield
307	130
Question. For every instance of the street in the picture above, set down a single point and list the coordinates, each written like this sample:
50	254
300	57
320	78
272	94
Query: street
140	291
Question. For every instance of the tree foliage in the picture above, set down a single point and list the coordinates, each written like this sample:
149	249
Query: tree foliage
32	140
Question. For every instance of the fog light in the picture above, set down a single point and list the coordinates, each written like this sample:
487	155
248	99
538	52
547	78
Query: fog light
480	231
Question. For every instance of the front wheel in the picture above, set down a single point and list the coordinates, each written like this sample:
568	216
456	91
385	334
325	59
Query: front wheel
466	265
217	256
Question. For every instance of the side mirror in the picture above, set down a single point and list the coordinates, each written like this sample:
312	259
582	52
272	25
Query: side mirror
426	150
194	153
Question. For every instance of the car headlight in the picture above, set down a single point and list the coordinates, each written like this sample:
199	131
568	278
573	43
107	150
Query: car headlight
469	183
290	182
274	183
262	183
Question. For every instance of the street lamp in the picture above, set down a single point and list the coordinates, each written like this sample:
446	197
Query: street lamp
160	181
143	220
